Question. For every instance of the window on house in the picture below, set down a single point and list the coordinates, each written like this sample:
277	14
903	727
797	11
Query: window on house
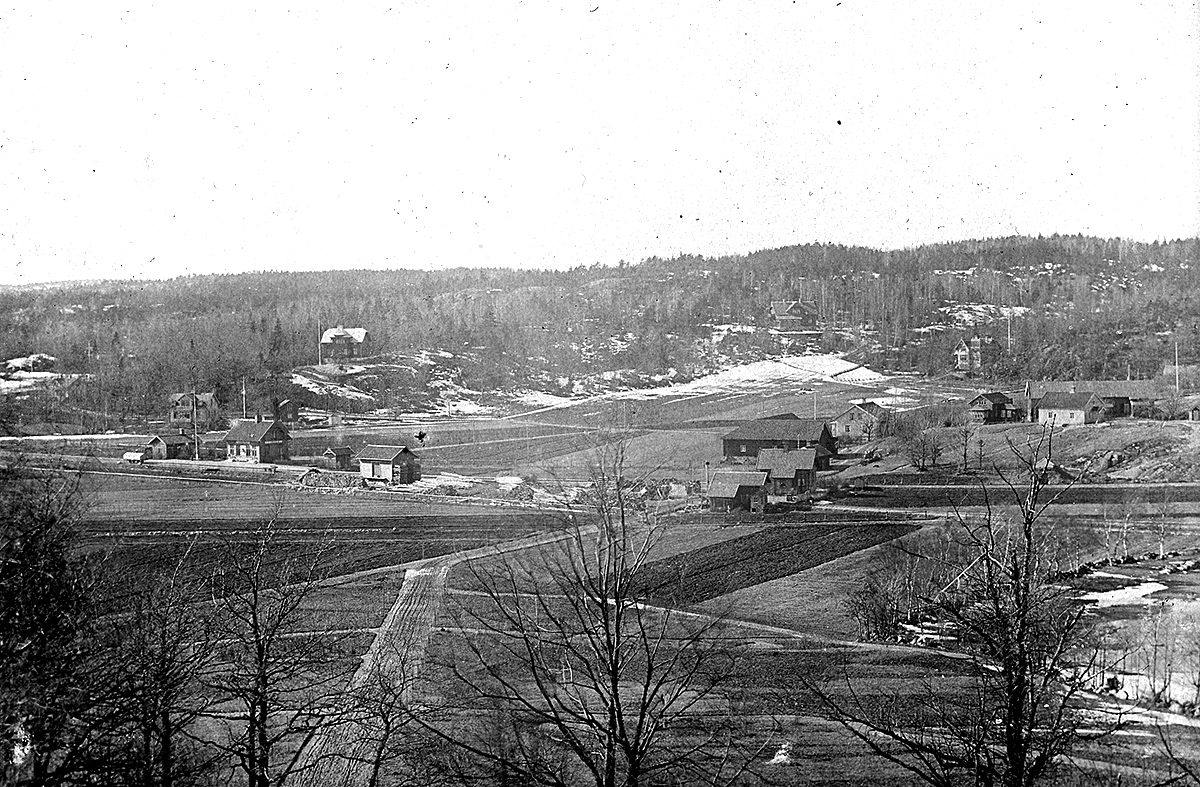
743	448
847	428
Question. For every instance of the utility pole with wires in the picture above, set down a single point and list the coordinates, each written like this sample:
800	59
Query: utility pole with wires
244	415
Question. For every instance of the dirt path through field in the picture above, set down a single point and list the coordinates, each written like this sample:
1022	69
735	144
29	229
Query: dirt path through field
340	755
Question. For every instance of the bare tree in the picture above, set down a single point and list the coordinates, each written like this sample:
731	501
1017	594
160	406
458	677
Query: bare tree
593	684
273	680
162	642
1031	652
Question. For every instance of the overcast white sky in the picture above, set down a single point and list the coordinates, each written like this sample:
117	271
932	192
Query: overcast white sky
153	140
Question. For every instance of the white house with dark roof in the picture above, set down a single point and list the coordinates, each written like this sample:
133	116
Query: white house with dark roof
859	422
1070	409
340	343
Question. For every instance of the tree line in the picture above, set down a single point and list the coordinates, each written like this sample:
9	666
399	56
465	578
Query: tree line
1096	308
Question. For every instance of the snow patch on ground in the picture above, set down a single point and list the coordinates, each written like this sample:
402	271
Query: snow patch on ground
330	389
764	375
1123	596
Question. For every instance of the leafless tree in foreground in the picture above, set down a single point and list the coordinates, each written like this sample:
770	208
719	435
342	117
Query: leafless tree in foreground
1015	712
589	684
273	680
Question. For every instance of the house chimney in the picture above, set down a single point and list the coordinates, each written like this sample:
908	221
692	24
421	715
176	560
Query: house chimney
258	416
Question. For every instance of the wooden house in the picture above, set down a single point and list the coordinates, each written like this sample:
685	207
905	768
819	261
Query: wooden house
793	316
1119	396
972	355
788	472
393	464
1070	409
339	456
992	407
171	445
787	431
731	490
859	422
196	409
258	441
288	411
339	344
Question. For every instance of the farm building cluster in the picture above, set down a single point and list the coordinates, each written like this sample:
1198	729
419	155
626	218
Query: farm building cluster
190	436
776	460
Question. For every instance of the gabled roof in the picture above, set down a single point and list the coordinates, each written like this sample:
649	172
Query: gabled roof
338	450
777	428
383	453
253	431
1056	400
725	483
1130	389
785	464
795	309
992	398
185	399
358	335
873	409
171	438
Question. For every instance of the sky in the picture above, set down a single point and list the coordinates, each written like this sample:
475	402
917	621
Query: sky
151	140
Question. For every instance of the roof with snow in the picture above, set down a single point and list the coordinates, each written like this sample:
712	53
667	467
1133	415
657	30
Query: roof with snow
785	464
726	483
358	335
383	453
254	431
780	428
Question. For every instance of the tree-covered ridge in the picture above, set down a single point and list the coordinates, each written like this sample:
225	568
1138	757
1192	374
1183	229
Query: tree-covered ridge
1086	306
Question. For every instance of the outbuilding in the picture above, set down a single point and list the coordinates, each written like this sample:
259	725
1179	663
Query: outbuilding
171	445
339	456
788	472
729	490
393	464
786	431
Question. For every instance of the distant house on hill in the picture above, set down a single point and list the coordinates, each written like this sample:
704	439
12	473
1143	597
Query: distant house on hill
342	343
793	315
788	472
971	355
197	409
993	407
786	431
860	422
395	464
1069	409
1119	396
171	445
258	441
729	490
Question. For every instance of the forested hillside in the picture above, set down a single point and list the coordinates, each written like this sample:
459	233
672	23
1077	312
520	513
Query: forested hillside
1075	305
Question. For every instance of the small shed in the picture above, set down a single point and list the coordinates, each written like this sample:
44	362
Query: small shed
1194	413
339	456
730	490
392	464
172	445
259	441
135	457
